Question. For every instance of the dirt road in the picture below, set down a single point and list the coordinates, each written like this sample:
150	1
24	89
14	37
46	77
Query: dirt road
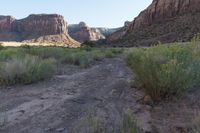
65	103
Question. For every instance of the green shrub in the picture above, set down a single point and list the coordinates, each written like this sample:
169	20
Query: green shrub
25	46
27	64
82	58
8	53
165	71
88	43
108	54
26	70
48	52
1	46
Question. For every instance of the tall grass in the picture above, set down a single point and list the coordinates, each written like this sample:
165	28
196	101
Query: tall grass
165	71
93	124
196	123
28	64
25	70
129	123
81	56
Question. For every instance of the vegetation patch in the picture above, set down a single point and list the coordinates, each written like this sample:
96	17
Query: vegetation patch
28	64
25	70
165	70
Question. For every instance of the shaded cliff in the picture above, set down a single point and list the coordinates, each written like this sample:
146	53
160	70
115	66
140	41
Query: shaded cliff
165	21
81	32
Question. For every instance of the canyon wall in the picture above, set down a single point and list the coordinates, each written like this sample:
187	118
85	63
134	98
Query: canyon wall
46	28
163	20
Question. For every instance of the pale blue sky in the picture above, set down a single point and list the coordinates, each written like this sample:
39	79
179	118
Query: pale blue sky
96	13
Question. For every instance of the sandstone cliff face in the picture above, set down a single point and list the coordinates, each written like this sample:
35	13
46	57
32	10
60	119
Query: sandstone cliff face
162	9
81	32
42	27
6	23
165	21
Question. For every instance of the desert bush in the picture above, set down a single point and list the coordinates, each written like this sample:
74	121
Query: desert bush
129	123
108	54
90	124
8	53
25	70
88	43
25	46
48	52
165	71
27	64
82	58
196	123
94	124
1	46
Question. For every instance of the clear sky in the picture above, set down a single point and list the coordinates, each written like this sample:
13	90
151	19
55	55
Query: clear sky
96	13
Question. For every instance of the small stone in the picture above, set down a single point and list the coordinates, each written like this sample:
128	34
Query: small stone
60	129
147	99
47	129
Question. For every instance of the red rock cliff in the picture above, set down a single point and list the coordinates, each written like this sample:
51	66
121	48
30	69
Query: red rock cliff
46	28
41	25
162	20
162	9
6	23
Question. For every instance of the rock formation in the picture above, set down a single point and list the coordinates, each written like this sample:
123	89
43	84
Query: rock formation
81	32
165	21
6	23
119	33
43	28
6	31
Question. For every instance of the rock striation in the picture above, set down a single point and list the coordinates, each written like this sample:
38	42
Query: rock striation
50	28
81	32
165	21
160	10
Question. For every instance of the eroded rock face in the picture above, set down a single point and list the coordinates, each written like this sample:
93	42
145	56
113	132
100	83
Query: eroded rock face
6	23
165	21
6	29
162	9
81	32
43	27
40	25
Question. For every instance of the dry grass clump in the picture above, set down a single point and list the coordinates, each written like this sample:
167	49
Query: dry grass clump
25	70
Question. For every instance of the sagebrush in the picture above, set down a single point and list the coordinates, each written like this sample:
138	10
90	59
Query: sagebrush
165	70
